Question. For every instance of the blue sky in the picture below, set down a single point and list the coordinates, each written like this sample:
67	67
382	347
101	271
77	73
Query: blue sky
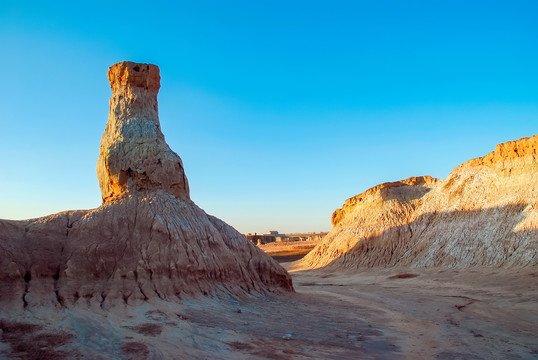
280	110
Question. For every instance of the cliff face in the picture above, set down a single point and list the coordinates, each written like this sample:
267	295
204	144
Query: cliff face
147	241
484	213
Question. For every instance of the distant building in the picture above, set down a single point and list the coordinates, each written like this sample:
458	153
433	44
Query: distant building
267	238
260	239
276	234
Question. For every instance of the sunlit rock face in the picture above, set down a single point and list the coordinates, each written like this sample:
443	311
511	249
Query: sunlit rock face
147	242
134	157
485	213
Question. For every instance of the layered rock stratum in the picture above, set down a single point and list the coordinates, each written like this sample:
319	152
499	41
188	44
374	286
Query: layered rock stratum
147	241
485	213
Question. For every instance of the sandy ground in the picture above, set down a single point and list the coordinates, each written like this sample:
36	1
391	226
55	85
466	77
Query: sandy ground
438	313
288	251
375	314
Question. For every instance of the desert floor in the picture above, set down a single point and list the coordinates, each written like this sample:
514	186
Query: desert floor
433	313
373	314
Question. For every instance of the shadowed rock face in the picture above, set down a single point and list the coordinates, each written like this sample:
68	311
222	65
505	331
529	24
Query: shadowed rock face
484	213
148	241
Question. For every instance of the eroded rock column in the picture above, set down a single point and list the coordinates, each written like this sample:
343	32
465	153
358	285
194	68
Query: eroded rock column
134	157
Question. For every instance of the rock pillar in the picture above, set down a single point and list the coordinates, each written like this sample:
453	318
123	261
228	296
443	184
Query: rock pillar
134	157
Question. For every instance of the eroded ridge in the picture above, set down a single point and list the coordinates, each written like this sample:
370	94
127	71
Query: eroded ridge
485	213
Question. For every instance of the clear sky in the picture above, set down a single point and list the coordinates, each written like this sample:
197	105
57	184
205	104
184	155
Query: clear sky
280	110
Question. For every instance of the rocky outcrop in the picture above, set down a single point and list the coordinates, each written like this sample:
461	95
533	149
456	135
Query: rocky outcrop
406	190
484	213
508	156
134	157
148	241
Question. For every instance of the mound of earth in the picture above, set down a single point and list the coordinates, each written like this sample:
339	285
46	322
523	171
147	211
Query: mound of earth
484	213
147	240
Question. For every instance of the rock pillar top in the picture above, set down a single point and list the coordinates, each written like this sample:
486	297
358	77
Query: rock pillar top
129	74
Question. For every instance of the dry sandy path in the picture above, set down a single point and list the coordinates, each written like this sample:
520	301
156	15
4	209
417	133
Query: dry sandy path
440	313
